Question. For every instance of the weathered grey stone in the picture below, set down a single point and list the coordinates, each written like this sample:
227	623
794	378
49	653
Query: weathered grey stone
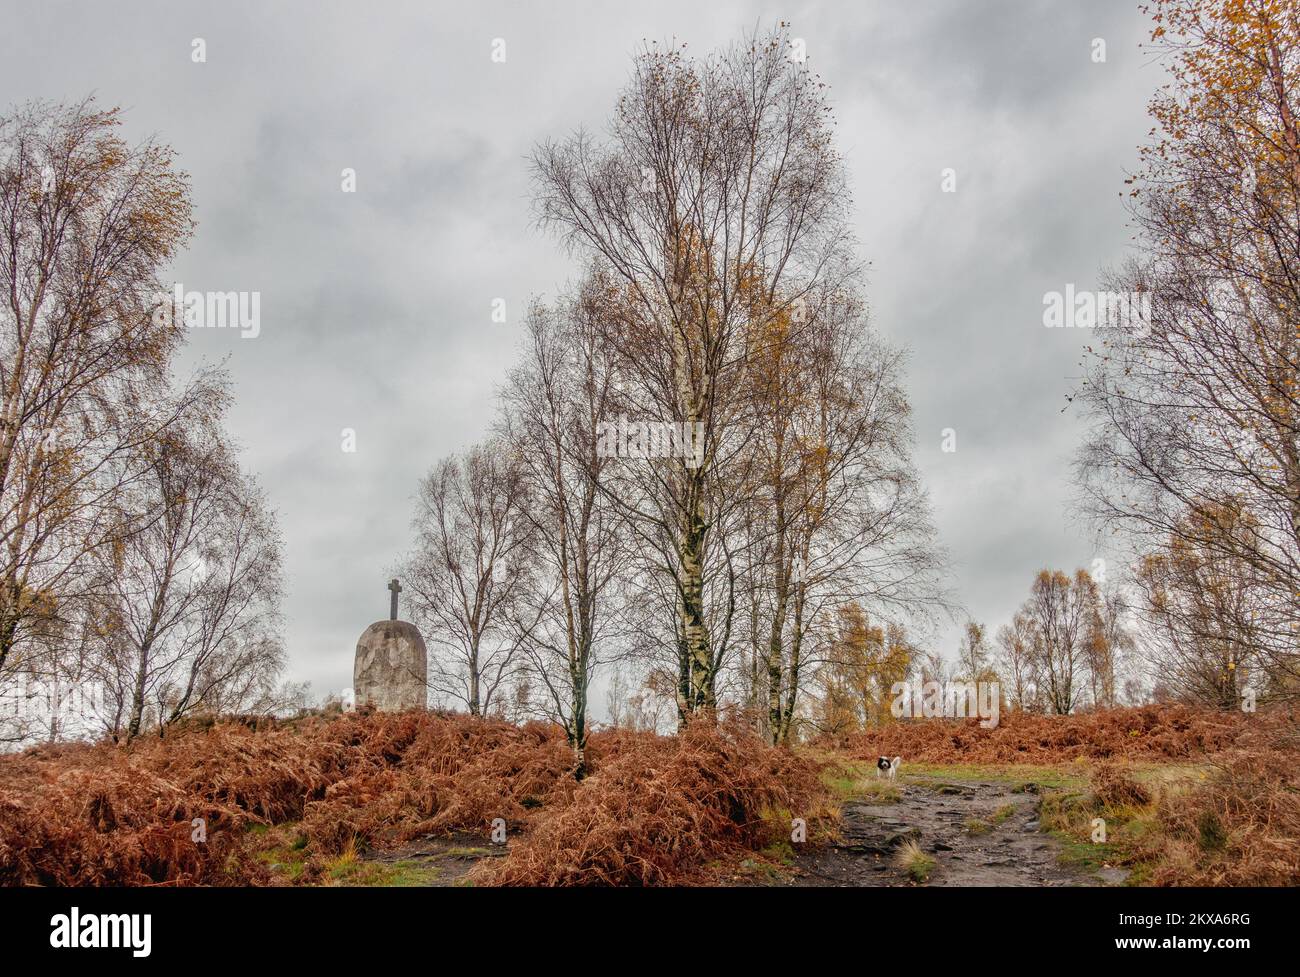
391	667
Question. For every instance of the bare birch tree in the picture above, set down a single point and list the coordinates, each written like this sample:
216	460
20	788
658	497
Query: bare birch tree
469	568
1062	611
719	185
837	512
190	605
1199	619
554	405
86	223
1018	664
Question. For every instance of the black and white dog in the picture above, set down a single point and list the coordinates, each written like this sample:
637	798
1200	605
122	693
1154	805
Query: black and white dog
887	766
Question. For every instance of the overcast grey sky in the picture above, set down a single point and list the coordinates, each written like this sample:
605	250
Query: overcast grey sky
376	305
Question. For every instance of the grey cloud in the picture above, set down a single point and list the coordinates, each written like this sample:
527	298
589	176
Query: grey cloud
376	306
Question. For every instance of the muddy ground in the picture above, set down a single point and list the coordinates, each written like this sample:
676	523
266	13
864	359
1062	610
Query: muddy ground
979	834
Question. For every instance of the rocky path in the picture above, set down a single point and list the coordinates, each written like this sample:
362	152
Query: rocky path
979	834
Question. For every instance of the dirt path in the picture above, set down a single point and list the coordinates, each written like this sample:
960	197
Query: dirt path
979	834
437	862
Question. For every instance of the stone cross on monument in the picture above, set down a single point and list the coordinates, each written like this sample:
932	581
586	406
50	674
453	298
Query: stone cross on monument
391	664
396	588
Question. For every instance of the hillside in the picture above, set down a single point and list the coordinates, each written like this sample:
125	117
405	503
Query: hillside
1189	797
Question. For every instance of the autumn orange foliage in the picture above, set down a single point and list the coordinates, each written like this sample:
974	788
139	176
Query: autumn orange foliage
1241	825
652	810
658	809
1154	732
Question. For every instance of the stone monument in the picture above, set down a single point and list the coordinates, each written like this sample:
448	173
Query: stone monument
391	667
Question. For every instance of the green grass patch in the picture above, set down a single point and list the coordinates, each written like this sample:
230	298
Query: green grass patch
761	870
284	848
401	874
844	778
1074	775
1068	816
851	781
1014	775
781	852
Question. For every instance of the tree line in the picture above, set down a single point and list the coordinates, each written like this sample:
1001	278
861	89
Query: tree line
777	569
719	294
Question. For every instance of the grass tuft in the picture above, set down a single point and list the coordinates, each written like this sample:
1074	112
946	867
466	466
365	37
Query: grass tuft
917	863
